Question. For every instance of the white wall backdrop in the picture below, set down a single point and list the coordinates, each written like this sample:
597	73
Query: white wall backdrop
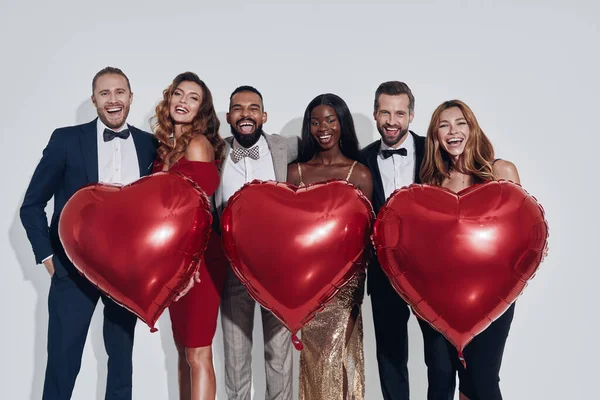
529	69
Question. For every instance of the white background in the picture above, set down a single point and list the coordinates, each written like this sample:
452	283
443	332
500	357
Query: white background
529	69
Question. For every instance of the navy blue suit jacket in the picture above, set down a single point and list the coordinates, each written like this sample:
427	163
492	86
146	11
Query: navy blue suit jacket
368	156
69	162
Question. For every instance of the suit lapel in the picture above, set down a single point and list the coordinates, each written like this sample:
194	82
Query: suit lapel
218	197
89	149
379	194
279	156
143	154
419	154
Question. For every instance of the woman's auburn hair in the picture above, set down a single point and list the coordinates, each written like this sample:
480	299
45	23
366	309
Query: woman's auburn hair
204	123
477	158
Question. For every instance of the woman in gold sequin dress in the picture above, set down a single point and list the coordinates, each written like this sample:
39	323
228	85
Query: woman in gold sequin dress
332	362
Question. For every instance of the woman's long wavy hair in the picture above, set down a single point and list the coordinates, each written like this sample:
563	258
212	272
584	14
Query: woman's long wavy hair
477	158
204	123
348	139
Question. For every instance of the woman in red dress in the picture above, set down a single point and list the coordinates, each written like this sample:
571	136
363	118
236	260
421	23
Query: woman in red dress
187	128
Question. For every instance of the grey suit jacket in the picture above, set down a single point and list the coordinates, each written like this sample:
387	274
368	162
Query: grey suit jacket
284	150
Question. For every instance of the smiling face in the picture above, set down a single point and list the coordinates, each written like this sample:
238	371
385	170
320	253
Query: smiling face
112	99
185	102
453	131
246	117
325	127
393	118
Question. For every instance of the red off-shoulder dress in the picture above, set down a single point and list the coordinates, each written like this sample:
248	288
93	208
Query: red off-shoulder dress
194	316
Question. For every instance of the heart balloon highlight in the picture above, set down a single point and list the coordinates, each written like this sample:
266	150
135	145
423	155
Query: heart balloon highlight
460	260
293	248
140	243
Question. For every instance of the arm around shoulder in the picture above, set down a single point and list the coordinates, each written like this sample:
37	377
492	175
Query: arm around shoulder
200	149
506	170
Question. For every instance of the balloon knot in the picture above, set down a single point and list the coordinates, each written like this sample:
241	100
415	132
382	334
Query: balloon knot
153	329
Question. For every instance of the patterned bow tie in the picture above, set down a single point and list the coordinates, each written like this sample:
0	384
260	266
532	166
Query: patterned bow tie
241	152
109	134
388	153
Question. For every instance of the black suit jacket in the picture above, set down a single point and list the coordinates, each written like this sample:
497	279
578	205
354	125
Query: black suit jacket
69	162
368	156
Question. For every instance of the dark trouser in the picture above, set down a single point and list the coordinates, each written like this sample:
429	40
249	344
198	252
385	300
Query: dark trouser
71	303
483	356
390	317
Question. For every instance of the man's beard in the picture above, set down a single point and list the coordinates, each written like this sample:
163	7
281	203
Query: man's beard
393	141
247	140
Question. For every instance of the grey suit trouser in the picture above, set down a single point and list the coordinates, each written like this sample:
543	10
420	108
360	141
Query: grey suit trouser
237	320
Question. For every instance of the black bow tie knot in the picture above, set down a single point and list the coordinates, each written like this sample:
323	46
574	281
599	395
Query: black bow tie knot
109	134
388	153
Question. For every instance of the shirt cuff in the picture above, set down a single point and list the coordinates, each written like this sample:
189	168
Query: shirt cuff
47	258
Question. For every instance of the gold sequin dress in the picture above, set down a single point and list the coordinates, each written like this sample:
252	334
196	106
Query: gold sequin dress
332	367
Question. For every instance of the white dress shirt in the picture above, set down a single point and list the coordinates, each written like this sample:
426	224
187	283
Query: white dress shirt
117	159
397	171
236	175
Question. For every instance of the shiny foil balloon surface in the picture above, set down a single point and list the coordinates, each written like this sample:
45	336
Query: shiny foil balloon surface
460	260
293	248
140	243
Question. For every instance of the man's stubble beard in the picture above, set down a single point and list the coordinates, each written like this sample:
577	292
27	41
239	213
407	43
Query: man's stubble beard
402	134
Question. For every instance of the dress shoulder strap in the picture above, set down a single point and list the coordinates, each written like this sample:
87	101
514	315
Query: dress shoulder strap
351	169
300	174
494	162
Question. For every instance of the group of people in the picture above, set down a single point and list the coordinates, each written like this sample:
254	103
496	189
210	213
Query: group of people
455	154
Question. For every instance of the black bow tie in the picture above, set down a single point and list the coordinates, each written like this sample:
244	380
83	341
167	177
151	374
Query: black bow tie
110	134
388	153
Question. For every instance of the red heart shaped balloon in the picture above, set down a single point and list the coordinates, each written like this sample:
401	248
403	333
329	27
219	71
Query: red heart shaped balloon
140	243
460	260
293	248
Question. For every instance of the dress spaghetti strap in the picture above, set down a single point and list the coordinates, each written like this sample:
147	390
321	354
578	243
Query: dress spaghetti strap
300	173
351	169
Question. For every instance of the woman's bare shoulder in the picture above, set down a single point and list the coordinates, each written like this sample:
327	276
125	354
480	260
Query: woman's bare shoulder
200	149
506	170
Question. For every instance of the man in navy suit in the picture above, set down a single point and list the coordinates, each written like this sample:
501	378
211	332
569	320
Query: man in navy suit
104	150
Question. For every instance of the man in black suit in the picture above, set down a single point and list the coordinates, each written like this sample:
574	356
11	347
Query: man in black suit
395	161
104	150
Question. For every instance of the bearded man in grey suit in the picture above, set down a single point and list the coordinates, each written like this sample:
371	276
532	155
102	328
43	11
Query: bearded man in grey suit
252	154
